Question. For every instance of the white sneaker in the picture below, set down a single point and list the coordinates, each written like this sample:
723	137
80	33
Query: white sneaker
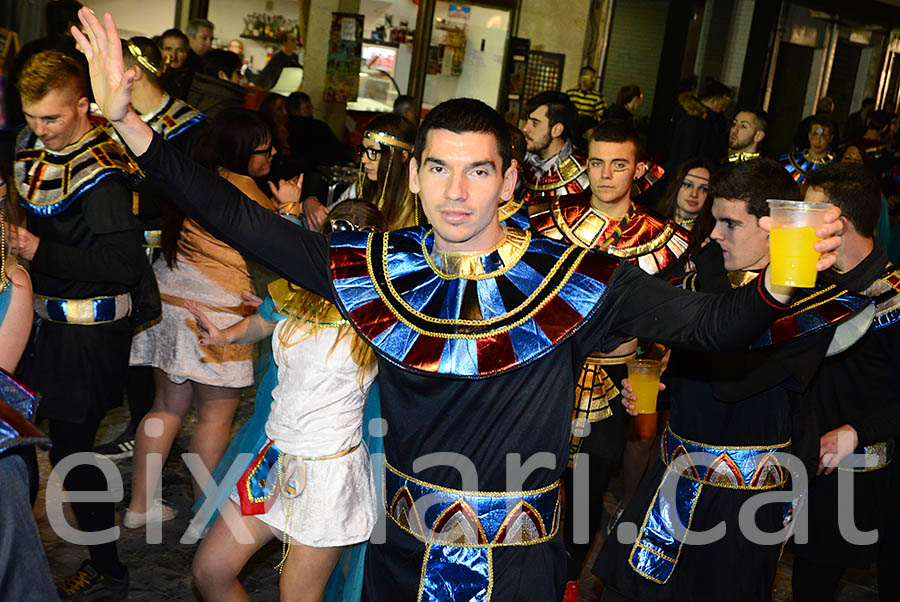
159	512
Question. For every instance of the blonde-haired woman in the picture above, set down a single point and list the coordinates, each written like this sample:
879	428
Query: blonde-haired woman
311	483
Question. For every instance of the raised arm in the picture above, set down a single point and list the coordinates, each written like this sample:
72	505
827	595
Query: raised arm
650	308
297	254
289	250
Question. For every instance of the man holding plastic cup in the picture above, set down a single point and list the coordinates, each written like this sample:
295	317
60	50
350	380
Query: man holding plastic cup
857	404
737	410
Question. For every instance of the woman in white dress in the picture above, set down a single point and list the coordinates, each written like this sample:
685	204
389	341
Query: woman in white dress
197	267
311	484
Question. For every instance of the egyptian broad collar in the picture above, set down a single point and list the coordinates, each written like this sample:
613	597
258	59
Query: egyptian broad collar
817	309
465	314
172	117
885	293
642	236
48	181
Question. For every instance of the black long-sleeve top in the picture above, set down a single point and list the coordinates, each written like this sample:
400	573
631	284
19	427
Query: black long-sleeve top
524	411
861	386
90	249
747	398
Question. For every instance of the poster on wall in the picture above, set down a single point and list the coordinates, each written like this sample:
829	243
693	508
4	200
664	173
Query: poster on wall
344	58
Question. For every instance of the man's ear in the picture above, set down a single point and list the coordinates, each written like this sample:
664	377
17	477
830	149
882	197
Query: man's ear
640	170
83	106
414	176
509	182
845	225
758	136
557	130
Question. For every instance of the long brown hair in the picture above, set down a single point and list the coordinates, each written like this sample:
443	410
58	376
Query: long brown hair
9	214
668	202
312	312
390	192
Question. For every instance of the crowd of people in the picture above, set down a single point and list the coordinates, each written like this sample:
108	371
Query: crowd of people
449	338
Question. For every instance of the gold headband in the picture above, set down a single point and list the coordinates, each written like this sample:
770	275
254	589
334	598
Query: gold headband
135	51
382	138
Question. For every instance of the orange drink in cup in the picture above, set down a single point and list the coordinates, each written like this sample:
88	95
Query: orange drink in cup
792	258
644	378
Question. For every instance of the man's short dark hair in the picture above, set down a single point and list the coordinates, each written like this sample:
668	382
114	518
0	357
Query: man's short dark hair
295	102
754	182
618	131
853	188
868	101
713	88
220	60
878	120
587	68
463	115
559	110
196	24
60	15
762	118
174	33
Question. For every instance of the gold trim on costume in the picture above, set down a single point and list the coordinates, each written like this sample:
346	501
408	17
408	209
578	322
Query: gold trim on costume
395	297
468	264
739	278
637	541
387	139
135	51
741	157
508	208
586	231
882	453
823	161
284	296
569	170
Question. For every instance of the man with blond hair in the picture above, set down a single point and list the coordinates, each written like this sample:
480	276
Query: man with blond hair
85	256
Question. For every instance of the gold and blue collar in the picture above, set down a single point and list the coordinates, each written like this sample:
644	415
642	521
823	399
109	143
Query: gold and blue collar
48	181
800	163
469	316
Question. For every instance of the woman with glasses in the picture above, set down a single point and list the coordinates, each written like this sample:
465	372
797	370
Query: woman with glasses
310	483
196	267
384	170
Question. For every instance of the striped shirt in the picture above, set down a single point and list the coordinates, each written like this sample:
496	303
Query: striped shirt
588	103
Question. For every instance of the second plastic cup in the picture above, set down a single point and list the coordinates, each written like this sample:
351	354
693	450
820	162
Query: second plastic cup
792	258
644	378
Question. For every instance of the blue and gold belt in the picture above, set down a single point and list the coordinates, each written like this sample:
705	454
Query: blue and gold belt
878	456
657	548
96	310
461	528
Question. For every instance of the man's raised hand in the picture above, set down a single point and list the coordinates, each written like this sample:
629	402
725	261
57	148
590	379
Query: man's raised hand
110	81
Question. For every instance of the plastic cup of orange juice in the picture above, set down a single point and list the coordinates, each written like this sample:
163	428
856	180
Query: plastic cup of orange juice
644	378
792	258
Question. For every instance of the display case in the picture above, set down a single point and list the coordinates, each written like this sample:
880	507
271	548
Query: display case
378	85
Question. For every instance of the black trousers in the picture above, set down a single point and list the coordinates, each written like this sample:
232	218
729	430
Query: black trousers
140	390
599	473
814	581
70	438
